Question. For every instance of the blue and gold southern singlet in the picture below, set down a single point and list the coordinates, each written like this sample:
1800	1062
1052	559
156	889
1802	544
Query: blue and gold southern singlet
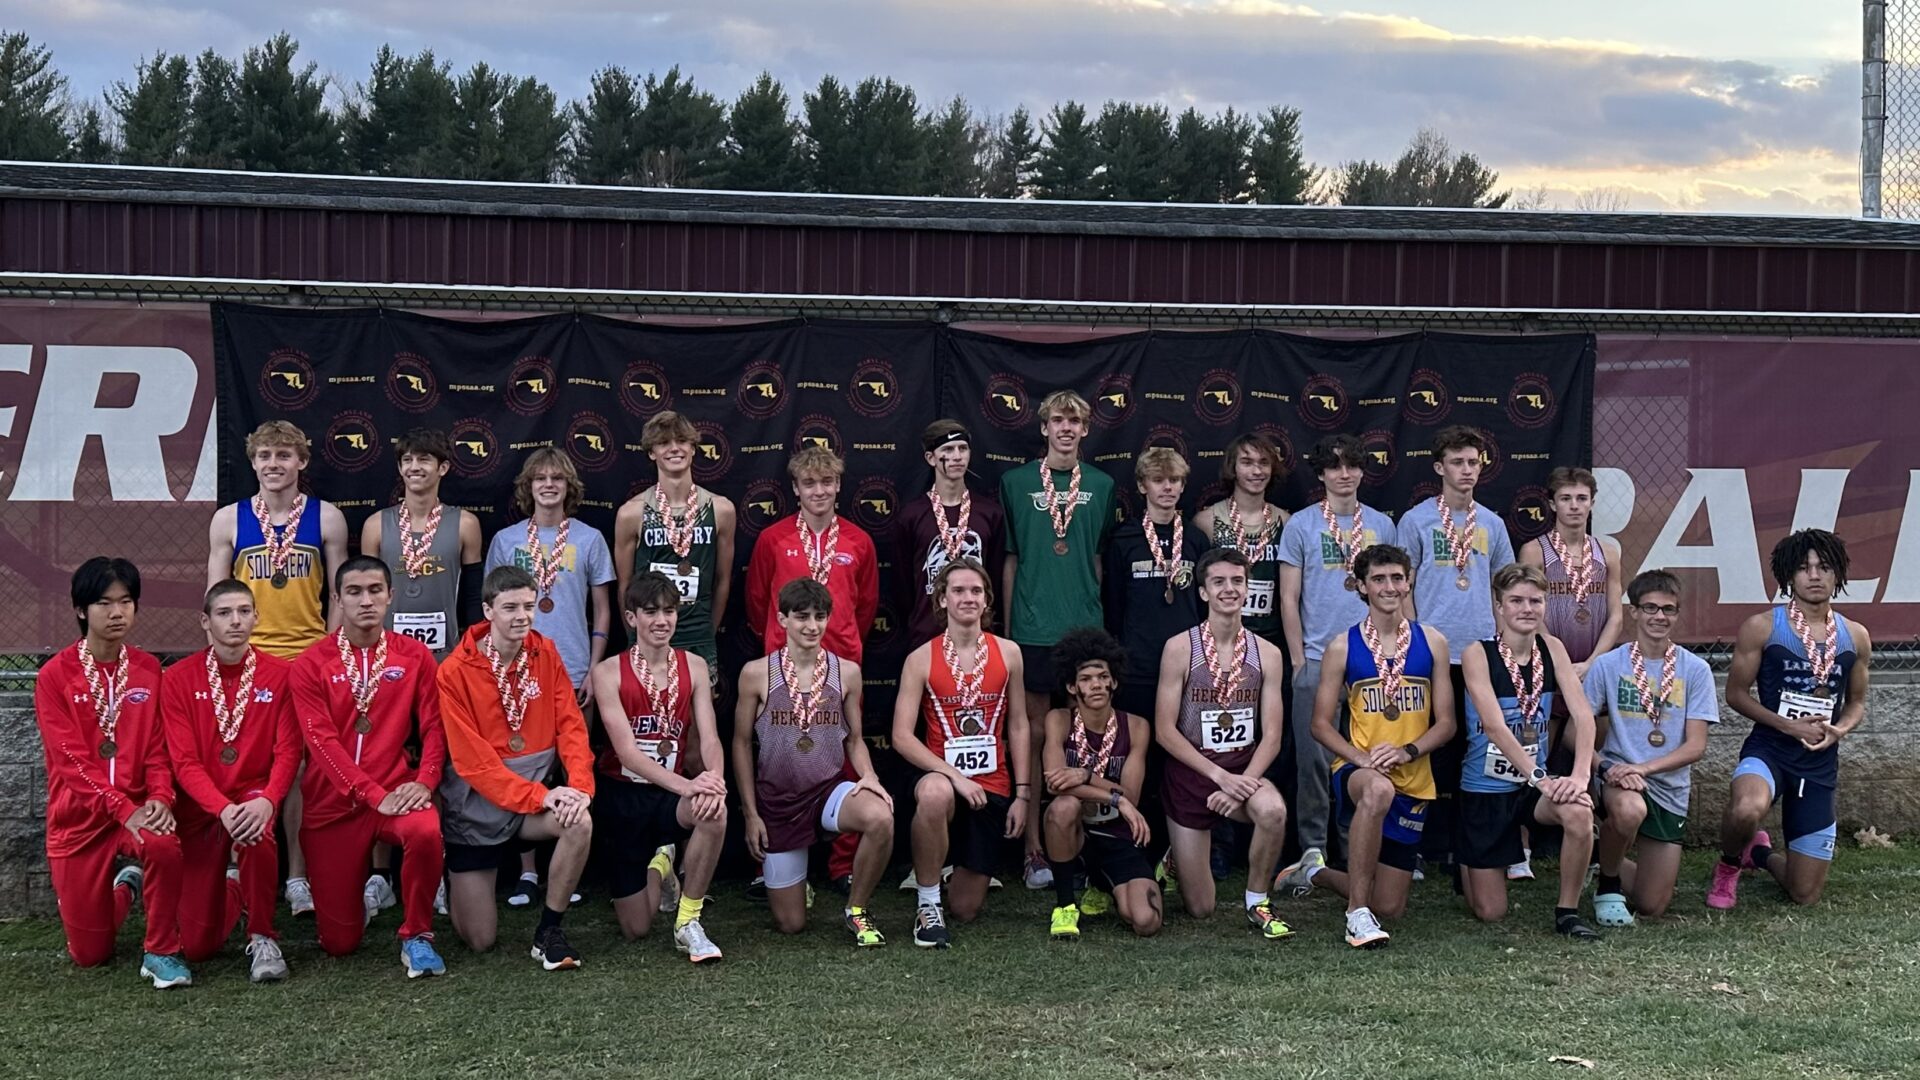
290	618
1366	723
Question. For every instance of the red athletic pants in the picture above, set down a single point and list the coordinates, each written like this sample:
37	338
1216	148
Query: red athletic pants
210	902
91	909
339	857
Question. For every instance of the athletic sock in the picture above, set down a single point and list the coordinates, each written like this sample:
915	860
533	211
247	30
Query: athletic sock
530	877
1731	860
550	917
1254	899
1607	883
1565	913
689	910
926	895
1063	893
1315	869
1760	854
661	864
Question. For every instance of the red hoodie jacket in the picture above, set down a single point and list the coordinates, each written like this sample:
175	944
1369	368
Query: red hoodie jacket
86	793
351	771
476	722
854	581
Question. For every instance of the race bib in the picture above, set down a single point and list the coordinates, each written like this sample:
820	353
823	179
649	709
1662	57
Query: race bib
429	628
1499	768
1259	599
651	748
688	583
1801	706
1225	730
973	755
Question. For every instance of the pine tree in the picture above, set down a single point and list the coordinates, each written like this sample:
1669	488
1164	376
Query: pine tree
33	102
1281	175
214	134
284	123
92	143
956	143
155	111
1428	173
680	133
604	146
533	133
1012	156
828	126
1064	168
889	145
763	151
401	122
1136	147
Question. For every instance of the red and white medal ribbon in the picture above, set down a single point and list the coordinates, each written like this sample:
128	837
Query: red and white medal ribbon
679	530
1255	545
279	544
1579	576
1392	668
227	717
1528	692
1459	542
1653	696
1349	539
663	697
413	552
1060	516
952	539
515	683
546	561
1225	682
806	703
1093	761
105	698
1822	658
819	555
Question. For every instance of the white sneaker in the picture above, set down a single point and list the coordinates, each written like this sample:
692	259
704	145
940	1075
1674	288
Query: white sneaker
1363	930
910	883
299	897
377	896
1039	875
1522	870
266	963
692	939
440	898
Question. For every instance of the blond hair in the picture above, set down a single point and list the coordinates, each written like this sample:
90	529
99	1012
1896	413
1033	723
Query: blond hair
1513	575
542	460
280	433
1160	462
1067	402
815	461
666	427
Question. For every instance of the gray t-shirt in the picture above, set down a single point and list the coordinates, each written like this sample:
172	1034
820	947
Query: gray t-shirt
1327	607
1463	615
1692	696
586	562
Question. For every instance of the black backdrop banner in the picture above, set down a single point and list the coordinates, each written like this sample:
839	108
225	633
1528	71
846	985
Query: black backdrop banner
356	379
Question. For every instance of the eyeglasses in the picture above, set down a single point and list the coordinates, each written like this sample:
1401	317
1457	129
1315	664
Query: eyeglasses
1669	610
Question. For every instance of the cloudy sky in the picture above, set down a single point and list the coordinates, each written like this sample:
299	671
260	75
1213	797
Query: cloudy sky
1688	104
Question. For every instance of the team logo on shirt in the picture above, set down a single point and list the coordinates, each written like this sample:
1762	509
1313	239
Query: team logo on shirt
1530	513
764	503
1113	400
411	385
590	441
818	429
712	456
393	674
1428	400
1323	403
287	380
762	392
138	695
1382	462
476	450
1530	404
1216	398
533	386
1006	404
262	696
644	389
351	442
875	505
874	392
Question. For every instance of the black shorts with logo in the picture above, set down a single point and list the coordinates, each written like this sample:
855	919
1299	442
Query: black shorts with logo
630	822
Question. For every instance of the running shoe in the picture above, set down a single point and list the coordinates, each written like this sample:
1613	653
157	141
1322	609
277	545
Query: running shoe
265	964
417	954
440	898
1610	910
1094	903
910	882
166	972
692	939
524	890
669	881
1724	891
1576	928
930	927
1166	874
1297	880
1038	874
1261	917
1363	930
300	897
1066	923
377	896
1760	840
1522	870
757	889
134	879
866	933
555	953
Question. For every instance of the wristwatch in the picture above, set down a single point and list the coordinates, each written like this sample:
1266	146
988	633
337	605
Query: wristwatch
1412	750
1535	778
1113	799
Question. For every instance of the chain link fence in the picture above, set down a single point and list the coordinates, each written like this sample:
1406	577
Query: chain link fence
1900	150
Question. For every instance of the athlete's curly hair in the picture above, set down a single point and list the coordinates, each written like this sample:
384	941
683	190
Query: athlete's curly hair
1790	554
1086	645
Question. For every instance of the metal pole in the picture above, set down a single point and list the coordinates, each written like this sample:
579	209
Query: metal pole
1873	104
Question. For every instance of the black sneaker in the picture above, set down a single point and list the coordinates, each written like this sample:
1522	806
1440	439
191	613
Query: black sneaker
842	885
930	928
757	890
550	947
1576	928
524	892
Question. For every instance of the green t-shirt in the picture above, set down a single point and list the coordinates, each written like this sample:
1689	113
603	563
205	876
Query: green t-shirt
1054	593
653	552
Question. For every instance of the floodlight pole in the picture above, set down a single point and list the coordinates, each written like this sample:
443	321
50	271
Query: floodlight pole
1873	104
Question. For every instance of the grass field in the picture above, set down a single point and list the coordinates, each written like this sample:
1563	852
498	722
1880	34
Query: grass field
1768	991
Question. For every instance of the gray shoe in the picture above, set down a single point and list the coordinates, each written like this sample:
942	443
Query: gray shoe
267	965
669	883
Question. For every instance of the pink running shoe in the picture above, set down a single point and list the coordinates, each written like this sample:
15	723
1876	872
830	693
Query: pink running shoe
1723	892
1760	839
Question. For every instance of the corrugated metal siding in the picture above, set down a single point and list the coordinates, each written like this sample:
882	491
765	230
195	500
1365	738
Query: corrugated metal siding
119	238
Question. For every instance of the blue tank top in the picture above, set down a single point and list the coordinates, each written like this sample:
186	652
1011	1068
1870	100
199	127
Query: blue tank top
1786	671
1485	770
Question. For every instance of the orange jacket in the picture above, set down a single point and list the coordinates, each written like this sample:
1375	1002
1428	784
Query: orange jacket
476	722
